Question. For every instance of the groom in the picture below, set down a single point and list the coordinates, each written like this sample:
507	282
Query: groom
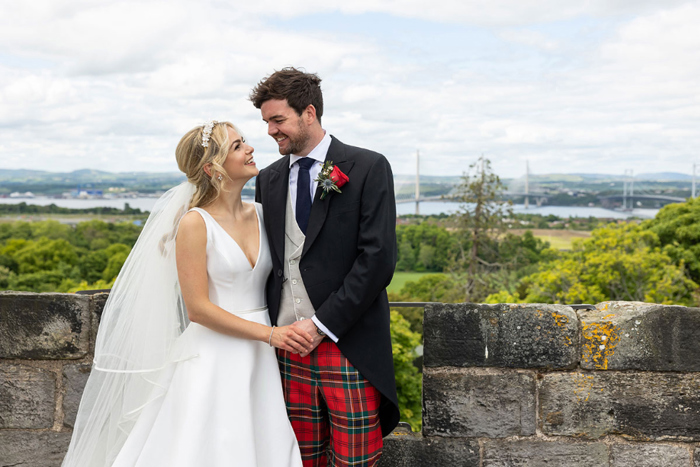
333	256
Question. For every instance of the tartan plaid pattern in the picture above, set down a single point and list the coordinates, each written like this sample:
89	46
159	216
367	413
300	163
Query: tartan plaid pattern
334	411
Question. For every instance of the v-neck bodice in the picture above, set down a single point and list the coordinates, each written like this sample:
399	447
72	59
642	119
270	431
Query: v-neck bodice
234	284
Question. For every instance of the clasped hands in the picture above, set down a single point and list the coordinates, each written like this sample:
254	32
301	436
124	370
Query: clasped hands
299	337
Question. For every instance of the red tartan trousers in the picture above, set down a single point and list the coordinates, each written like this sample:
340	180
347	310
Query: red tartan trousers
334	410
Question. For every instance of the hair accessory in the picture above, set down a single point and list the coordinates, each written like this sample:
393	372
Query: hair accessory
206	132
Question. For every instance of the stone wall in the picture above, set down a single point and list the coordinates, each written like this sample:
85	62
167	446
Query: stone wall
544	385
46	344
504	385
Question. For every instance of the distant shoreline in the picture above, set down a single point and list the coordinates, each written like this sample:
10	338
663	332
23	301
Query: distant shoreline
426	208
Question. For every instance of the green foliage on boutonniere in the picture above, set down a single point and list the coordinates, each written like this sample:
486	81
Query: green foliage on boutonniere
331	178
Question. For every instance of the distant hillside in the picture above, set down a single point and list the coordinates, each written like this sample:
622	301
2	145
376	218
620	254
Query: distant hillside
558	177
584	177
55	183
400	178
665	176
83	176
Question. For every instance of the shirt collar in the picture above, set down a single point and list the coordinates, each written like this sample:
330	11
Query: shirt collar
318	153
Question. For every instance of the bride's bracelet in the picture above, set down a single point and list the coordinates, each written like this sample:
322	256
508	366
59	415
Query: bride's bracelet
269	339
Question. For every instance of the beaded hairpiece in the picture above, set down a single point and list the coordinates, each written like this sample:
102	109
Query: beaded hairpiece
206	132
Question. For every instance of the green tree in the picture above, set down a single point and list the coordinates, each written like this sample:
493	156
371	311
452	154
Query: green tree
93	264
429	288
426	256
17	230
678	229
407	260
44	255
4	276
41	281
51	229
408	379
424	247
618	262
481	221
117	256
48	256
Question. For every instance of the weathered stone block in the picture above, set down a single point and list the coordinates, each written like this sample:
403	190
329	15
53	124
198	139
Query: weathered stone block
411	450
74	379
649	455
44	326
32	449
97	305
642	336
513	336
26	397
639	406
478	403
502	453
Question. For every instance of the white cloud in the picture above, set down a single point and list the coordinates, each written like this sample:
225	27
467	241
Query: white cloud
114	84
490	13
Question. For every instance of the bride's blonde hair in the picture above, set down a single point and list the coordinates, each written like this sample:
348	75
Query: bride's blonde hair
192	157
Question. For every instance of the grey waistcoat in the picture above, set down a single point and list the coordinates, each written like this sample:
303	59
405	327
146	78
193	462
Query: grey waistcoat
295	302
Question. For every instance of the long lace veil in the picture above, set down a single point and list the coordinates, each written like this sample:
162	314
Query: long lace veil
140	336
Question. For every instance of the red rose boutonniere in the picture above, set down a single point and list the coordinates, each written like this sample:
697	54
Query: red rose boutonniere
331	178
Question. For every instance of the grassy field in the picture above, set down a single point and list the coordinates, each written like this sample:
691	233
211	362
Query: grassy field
558	239
400	278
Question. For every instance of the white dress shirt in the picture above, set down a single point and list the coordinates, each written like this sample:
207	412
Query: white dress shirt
318	154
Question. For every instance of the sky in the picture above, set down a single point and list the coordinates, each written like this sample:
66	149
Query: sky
595	86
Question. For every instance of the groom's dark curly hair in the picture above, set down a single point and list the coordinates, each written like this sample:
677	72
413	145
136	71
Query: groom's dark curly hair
299	89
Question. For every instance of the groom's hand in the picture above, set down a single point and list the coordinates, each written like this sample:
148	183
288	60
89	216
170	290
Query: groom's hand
308	326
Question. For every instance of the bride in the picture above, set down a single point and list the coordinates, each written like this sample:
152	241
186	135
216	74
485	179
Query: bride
184	372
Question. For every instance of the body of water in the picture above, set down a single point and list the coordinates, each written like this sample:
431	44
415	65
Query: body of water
426	208
438	207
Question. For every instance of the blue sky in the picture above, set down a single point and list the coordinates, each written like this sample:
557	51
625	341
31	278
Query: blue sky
600	86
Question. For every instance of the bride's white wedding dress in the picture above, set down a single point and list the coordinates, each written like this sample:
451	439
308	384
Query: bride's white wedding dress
225	406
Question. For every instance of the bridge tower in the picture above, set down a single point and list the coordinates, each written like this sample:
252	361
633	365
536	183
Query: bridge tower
527	184
628	190
631	189
417	182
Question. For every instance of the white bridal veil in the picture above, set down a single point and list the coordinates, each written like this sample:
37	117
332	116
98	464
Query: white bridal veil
140	335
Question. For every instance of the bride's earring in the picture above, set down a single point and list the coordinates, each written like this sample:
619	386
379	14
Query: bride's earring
219	177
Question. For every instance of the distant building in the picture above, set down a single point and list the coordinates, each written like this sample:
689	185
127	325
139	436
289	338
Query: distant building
86	193
17	194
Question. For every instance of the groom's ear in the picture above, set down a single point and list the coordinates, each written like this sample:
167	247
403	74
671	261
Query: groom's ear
309	114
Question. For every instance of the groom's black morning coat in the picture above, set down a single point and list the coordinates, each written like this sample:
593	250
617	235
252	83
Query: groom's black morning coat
347	262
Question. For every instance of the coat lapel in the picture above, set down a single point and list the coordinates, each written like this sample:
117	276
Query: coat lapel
278	187
319	207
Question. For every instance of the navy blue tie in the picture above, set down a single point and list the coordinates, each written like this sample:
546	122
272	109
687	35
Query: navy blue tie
304	193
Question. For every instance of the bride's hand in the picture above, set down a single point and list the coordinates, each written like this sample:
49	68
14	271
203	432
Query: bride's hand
292	339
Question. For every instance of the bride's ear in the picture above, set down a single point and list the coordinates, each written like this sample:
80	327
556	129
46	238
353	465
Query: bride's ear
207	169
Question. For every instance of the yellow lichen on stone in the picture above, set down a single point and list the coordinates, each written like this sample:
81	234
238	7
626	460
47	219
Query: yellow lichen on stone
584	386
560	320
599	342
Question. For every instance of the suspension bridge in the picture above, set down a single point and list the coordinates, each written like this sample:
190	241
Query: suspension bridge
524	188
